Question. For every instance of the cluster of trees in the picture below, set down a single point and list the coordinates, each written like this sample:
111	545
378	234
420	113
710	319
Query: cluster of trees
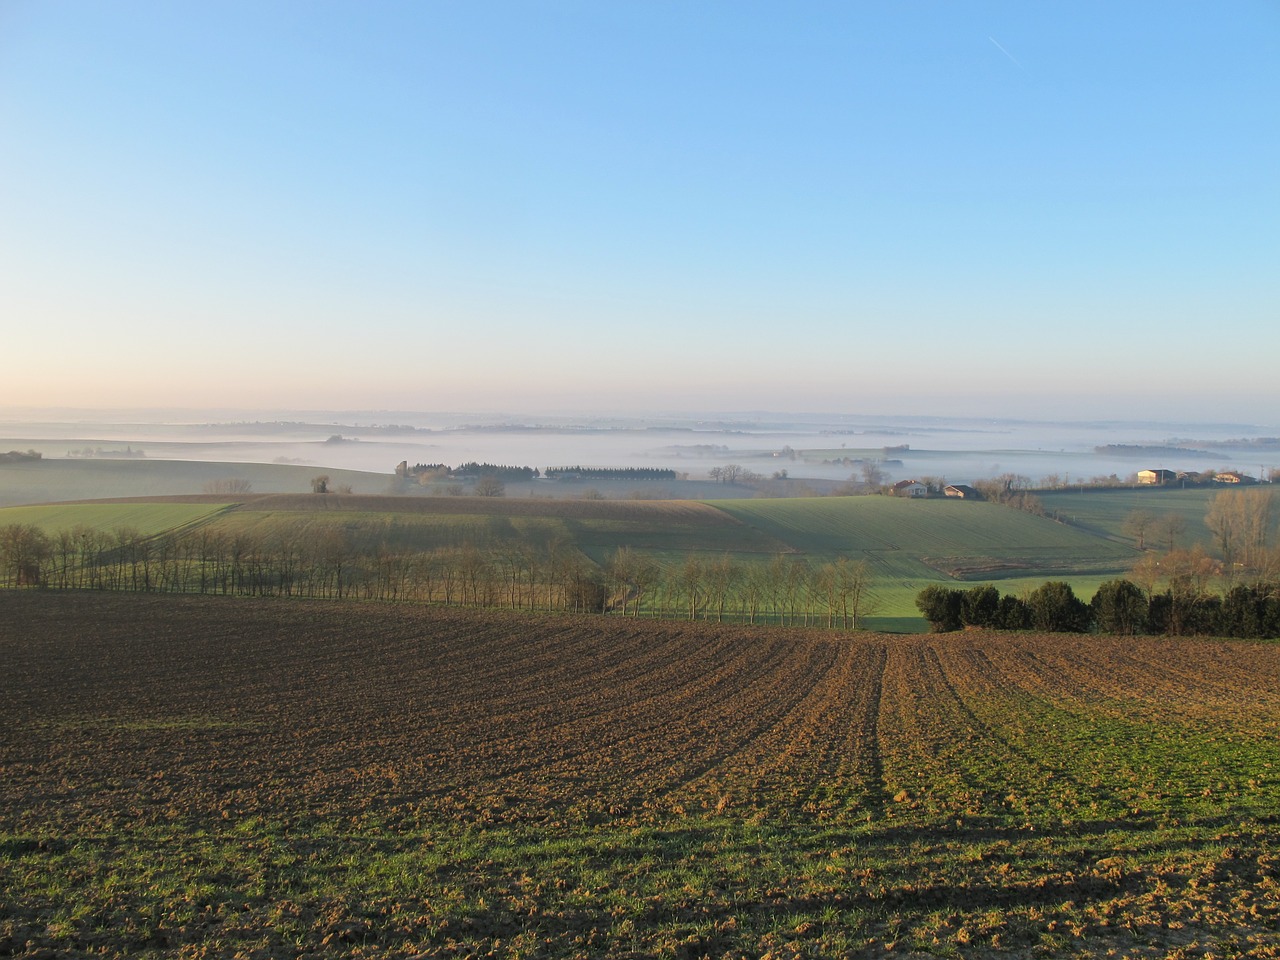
1242	523
787	589
732	473
499	471
330	563
1242	526
1120	606
322	484
609	473
1051	607
17	456
427	472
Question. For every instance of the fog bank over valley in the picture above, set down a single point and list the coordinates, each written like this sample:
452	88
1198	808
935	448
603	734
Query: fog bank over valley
822	447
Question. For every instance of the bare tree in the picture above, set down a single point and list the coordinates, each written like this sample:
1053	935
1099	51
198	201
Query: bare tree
826	589
1136	524
1241	522
691	582
798	576
856	598
722	576
873	475
1168	528
756	586
24	553
618	571
644	576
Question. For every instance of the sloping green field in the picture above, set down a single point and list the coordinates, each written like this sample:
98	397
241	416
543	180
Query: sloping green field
1105	512
909	544
952	536
146	518
597	528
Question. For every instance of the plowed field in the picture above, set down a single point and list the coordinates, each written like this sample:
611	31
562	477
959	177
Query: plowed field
186	776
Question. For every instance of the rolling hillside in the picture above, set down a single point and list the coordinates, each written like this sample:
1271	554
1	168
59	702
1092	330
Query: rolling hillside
49	480
907	544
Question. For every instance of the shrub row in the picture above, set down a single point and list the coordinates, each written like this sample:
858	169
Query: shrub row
1118	606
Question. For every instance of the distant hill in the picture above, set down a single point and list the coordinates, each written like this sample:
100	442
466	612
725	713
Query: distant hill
1141	450
50	480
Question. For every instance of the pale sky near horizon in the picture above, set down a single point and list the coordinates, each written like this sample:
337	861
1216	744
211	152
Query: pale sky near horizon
1064	209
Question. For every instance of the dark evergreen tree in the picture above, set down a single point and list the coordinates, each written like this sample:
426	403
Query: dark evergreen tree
980	606
1241	613
1013	614
1056	608
941	607
1120	606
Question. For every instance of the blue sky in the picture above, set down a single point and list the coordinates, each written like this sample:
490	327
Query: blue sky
1062	209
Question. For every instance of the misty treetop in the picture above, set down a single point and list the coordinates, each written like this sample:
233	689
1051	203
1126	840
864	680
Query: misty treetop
609	473
467	471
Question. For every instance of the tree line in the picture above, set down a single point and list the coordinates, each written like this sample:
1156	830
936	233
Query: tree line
518	574
1119	606
609	473
426	472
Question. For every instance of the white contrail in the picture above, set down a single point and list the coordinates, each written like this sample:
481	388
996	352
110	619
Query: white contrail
1005	52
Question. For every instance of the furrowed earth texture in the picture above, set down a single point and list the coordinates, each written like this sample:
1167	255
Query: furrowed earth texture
220	777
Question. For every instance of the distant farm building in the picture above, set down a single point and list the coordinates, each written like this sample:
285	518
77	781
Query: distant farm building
910	488
1232	476
1156	476
962	491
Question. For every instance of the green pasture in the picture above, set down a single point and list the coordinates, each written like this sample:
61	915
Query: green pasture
897	534
1104	512
146	518
598	539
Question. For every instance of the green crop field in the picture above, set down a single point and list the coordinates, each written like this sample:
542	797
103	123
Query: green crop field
911	539
145	518
1105	512
596	528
